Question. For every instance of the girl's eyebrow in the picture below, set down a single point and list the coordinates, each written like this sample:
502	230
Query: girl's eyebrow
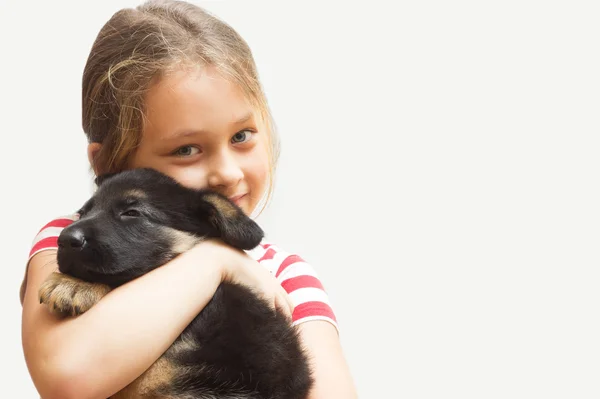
243	119
193	132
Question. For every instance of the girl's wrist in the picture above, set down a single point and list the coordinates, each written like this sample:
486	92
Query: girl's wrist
215	255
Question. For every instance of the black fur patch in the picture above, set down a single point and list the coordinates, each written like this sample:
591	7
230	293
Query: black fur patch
237	347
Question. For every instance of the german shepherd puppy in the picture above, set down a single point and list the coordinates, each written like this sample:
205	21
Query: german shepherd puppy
136	221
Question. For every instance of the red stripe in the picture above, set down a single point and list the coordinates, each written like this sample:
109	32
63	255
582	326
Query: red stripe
294	283
46	243
308	309
268	255
266	246
57	223
290	260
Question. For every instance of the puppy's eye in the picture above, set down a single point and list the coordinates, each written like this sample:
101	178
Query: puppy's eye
132	213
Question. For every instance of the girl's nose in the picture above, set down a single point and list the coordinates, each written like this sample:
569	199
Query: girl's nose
224	171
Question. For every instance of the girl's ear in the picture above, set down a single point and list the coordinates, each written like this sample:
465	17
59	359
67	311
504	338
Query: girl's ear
92	152
102	178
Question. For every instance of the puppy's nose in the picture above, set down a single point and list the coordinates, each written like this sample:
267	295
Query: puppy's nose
72	238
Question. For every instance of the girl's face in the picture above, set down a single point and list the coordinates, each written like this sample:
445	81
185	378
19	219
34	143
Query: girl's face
201	131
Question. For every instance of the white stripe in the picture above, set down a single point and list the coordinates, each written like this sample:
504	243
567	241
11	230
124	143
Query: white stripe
256	253
273	264
297	269
47	232
311	318
309	294
260	250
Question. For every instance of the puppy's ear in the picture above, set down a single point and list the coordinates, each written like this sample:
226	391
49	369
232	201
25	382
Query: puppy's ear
230	223
103	177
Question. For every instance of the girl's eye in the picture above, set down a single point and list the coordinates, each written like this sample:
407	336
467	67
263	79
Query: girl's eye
187	151
241	137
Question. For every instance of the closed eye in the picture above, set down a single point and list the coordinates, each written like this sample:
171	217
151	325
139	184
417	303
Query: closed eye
133	213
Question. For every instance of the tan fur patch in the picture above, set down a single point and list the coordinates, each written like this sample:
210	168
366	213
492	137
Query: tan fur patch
185	344
223	206
180	240
135	193
149	384
70	296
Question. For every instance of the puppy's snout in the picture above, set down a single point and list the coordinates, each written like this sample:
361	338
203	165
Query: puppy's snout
72	239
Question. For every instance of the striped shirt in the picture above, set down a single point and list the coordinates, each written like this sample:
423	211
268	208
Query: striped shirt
297	277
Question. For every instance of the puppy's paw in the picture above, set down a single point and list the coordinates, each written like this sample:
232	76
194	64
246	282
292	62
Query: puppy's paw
68	296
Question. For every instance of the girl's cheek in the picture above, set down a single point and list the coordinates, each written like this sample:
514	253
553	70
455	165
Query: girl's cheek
260	169
188	176
193	178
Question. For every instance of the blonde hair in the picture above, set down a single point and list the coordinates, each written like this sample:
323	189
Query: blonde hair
139	45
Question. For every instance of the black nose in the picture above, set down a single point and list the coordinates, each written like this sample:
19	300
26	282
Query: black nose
72	238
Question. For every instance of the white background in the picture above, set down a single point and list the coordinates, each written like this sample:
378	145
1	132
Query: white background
439	170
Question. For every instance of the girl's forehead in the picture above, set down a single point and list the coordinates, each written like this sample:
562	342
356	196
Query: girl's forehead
199	99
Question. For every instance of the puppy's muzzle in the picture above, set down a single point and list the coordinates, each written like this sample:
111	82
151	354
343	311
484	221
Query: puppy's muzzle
73	239
71	242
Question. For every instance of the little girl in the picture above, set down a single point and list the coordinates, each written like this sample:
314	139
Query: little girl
168	86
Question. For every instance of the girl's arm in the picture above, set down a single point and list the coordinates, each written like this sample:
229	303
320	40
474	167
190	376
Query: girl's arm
101	351
331	373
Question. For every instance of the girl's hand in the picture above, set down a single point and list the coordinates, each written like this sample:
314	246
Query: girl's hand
239	268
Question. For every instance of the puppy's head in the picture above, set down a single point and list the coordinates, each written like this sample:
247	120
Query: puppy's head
140	219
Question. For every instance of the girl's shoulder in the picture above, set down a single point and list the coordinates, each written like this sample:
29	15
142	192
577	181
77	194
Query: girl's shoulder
45	239
300	280
47	236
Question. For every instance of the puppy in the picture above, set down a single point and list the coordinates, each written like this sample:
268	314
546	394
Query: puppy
137	220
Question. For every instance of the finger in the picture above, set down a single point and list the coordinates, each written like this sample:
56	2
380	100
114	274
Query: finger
272	302
278	304
287	300
286	305
290	304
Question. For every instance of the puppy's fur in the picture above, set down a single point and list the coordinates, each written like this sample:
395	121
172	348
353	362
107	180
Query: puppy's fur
137	220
